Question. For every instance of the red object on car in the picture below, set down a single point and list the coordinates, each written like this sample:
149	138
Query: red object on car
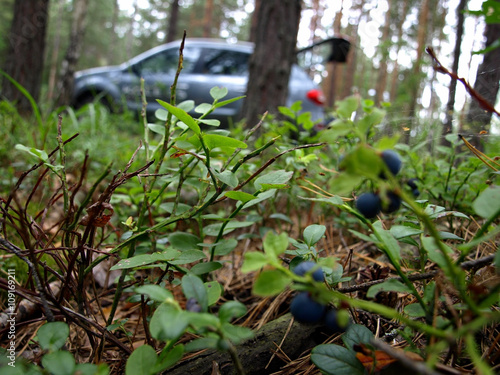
316	96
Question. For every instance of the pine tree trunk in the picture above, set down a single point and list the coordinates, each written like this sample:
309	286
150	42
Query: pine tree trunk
271	63
254	21
65	86
486	84
207	20
55	54
173	20
450	106
423	19
384	52
24	60
395	69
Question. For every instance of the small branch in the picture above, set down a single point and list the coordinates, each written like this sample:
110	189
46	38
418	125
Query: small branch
472	264
441	69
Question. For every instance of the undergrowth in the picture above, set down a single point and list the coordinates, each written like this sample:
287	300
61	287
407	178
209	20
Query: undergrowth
191	243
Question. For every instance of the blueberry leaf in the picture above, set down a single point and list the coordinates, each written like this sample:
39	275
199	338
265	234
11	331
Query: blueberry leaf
336	360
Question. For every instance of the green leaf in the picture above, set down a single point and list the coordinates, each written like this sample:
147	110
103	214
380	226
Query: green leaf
414	310
387	286
391	245
345	183
270	283
236	334
39	154
184	241
225	246
240	196
227	177
275	245
155	292
193	287
203	108
168	358
449	236
215	140
214	291
401	231
145	259
286	111
53	335
488	203
168	322
261	197
336	360
276	177
347	106
363	161
369	120
254	261
218	93
231	310
337	128
209	122
433	251
357	334
157	128
141	361
205	267
89	369
59	363
182	116
189	256
202	343
313	233
213	229
228	101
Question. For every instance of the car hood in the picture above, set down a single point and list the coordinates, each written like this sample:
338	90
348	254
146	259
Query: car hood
104	70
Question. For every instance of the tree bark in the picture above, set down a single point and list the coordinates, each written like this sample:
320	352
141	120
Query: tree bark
55	54
66	81
423	23
207	20
24	61
486	84
255	20
173	20
384	55
450	106
256	353
271	63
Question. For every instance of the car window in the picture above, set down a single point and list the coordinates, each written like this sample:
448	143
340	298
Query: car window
225	62
166	62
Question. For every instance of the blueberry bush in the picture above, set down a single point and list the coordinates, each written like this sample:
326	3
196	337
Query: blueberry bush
196	238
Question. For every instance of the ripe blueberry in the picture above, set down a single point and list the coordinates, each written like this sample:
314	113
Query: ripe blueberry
411	183
415	192
306	310
368	204
305	267
392	160
336	321
394	203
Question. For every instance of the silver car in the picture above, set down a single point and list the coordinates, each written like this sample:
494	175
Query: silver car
207	63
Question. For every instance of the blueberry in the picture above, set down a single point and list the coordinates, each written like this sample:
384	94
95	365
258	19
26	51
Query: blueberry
368	204
392	160
411	183
305	310
415	192
394	203
336	321
193	305
305	267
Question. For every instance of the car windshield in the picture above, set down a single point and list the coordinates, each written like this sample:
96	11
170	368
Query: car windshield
166	62
225	62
